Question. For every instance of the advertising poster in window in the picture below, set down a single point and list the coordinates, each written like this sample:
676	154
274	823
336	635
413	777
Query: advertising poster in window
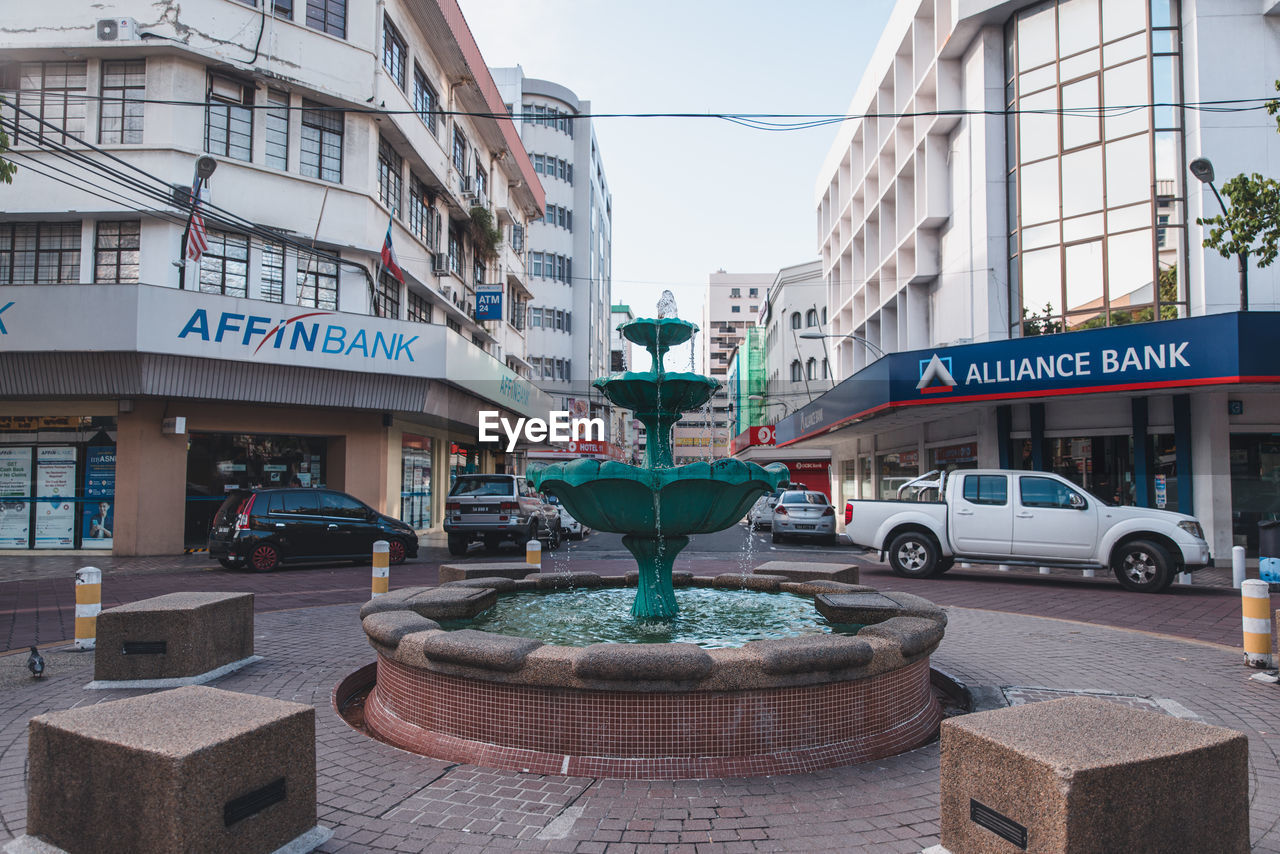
98	518
15	483
55	498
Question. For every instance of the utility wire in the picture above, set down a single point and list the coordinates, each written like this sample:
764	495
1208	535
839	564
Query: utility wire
756	121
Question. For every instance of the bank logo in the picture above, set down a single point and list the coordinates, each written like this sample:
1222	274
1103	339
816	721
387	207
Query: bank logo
935	376
292	334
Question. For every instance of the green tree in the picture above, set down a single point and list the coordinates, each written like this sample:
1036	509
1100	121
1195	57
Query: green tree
6	167
1251	224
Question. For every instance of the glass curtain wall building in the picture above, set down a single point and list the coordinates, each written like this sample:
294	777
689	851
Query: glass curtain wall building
1095	161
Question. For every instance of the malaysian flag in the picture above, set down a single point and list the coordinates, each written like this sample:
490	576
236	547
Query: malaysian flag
197	239
389	261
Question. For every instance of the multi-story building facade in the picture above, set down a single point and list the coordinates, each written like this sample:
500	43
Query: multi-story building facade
797	369
288	353
731	305
570	247
1014	222
626	431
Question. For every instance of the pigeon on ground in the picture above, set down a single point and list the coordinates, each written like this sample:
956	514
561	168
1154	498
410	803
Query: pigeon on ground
35	663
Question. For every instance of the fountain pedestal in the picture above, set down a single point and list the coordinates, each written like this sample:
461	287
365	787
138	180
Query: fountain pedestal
655	556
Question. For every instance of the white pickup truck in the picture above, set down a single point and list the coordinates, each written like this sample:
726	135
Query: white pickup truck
1025	518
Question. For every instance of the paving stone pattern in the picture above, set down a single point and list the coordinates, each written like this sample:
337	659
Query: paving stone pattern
380	799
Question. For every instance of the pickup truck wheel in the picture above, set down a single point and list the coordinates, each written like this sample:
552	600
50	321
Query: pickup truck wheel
457	545
944	564
1143	566
913	555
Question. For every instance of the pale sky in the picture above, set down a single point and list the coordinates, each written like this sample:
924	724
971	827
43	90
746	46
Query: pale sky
691	196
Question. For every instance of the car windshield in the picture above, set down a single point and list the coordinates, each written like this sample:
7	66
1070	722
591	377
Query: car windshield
482	486
804	498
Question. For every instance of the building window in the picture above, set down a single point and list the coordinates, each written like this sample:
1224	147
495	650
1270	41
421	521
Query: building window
477	269
811	369
328	16
455	252
753	292
796	372
224	267
425	100
272	272
124	88
811	317
394	51
390	182
115	252
419	310
459	152
55	92
826	369
1086	177
317	281
735	309
424	222
453	324
277	119
228	119
734	293
482	187
39	253
795	320
386	301
321	142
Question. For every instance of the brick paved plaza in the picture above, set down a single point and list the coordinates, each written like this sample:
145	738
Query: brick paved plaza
1071	636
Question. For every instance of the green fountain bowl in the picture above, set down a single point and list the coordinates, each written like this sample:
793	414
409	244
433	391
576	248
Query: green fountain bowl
641	391
656	334
698	498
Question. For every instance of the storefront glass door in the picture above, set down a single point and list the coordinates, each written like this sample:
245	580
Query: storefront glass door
415	484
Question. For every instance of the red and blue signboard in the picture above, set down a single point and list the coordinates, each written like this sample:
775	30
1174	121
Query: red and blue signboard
1218	349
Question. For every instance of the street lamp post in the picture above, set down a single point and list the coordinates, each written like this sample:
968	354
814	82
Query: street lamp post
786	410
814	336
1202	169
204	168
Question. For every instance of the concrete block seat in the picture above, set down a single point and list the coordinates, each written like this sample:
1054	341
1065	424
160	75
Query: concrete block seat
794	570
486	569
1086	775
191	770
173	636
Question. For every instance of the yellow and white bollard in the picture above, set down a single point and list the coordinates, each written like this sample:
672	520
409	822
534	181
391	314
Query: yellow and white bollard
533	553
1255	598
88	605
381	567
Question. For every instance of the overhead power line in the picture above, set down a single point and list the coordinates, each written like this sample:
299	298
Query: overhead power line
755	121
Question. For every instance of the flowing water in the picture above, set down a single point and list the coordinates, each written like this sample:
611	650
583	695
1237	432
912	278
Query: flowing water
712	619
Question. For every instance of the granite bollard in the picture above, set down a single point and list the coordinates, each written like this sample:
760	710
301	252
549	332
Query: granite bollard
191	770
1084	775
173	636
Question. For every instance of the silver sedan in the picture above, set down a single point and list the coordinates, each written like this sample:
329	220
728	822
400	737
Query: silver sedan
801	513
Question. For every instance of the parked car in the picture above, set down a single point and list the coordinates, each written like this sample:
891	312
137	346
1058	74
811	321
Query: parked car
1026	518
804	514
761	513
493	508
262	528
569	526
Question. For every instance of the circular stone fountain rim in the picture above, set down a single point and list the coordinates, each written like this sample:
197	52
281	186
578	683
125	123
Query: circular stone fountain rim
400	632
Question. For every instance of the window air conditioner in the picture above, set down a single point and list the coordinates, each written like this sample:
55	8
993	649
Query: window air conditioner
440	265
118	30
467	184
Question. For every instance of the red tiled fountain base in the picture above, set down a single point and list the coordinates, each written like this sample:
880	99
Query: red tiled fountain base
544	730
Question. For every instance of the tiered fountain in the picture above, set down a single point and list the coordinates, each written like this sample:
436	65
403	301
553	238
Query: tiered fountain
846	684
657	507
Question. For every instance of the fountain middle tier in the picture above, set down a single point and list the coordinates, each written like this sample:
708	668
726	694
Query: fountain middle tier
697	498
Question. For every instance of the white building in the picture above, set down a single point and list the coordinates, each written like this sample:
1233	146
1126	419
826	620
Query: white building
796	369
1004	187
281	354
570	248
732	304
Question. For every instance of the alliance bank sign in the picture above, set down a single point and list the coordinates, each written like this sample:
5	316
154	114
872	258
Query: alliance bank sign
936	376
1198	351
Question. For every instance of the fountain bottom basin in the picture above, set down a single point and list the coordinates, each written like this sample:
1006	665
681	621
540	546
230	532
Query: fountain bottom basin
652	711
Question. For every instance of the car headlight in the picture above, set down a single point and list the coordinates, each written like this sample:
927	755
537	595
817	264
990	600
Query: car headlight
1192	528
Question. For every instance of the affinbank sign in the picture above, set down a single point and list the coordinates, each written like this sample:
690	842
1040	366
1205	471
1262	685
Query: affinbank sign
1198	351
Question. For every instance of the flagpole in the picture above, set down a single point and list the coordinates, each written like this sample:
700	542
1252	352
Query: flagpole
204	168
